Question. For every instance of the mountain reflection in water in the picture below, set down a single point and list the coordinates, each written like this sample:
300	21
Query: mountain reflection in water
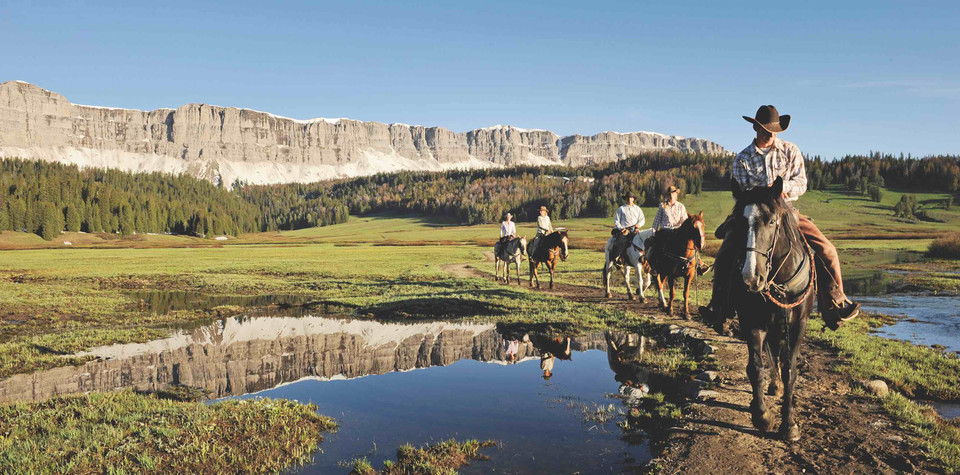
240	355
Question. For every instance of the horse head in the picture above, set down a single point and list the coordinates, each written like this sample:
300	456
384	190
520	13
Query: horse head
564	244
523	245
760	213
698	229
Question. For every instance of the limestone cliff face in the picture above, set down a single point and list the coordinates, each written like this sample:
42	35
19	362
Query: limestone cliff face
243	355
227	143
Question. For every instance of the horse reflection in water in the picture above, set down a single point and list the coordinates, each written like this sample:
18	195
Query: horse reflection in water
625	357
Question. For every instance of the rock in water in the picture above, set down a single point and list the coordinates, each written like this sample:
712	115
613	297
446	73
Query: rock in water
223	144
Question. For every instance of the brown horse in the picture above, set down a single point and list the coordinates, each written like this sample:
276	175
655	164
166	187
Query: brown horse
675	255
550	247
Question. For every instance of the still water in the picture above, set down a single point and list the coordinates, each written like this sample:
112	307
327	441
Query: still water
387	384
539	422
928	320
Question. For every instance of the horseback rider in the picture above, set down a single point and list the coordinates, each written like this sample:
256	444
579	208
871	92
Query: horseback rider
671	214
508	232
626	224
544	227
758	165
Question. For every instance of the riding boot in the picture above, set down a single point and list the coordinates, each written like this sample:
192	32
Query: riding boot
835	307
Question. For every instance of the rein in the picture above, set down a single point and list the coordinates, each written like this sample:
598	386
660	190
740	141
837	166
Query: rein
784	287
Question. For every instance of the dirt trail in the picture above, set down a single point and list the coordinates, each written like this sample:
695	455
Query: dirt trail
841	433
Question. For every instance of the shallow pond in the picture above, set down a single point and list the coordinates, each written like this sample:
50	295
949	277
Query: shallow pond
388	384
929	320
540	423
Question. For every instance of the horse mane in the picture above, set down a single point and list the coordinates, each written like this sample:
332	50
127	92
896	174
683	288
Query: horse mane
761	196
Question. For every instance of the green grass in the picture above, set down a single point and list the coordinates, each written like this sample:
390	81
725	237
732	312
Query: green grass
123	432
912	372
443	458
917	371
939	439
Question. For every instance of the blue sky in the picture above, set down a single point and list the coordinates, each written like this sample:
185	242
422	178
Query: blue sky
856	76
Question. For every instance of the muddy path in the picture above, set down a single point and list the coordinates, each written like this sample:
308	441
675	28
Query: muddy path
841	433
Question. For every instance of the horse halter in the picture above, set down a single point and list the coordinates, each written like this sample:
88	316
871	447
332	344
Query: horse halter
768	256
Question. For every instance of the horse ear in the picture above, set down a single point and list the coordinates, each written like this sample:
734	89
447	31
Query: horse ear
701	214
777	188
735	188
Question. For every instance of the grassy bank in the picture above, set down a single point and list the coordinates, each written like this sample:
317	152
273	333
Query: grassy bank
912	372
124	432
440	458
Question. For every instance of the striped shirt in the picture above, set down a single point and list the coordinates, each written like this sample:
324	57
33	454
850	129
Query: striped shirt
755	167
670	216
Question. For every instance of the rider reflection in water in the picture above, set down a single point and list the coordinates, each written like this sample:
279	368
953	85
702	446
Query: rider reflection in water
758	165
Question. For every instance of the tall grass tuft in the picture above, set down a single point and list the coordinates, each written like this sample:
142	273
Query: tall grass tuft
947	247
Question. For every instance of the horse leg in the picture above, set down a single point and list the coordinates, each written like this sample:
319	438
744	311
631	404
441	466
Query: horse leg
762	415
606	275
533	273
686	296
663	301
550	266
775	388
516	263
789	431
639	267
626	279
671	282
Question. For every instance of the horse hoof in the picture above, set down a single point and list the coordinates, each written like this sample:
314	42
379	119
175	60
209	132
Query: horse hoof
631	297
775	390
686	316
763	422
790	434
609	295
642	300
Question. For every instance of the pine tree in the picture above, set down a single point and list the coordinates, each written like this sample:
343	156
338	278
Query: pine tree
73	218
51	223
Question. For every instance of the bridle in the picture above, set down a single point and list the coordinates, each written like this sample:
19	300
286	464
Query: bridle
769	286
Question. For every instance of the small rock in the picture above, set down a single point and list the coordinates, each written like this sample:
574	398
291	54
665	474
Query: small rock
894	438
709	349
877	388
707	394
708	376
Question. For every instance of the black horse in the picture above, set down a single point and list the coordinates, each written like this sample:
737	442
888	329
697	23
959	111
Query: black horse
775	300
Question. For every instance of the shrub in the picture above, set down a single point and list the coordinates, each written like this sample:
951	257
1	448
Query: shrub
947	246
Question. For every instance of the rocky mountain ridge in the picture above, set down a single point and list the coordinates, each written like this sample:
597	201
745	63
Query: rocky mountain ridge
223	144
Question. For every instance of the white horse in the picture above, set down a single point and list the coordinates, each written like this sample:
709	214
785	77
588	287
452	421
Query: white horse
513	252
634	259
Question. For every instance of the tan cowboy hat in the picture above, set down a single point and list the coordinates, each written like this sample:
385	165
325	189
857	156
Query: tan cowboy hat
771	120
543	208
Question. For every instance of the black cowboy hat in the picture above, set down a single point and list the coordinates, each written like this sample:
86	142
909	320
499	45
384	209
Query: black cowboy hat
771	120
671	189
629	195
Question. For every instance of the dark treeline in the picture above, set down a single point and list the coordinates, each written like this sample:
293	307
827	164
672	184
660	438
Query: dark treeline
47	198
483	196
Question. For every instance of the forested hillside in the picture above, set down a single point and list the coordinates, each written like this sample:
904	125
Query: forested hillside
46	198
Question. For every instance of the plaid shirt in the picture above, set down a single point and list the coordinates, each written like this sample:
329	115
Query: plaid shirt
670	216
751	168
